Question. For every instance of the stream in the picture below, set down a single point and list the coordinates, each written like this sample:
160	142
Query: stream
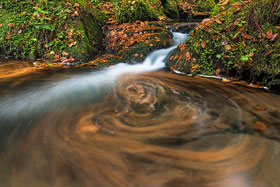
136	125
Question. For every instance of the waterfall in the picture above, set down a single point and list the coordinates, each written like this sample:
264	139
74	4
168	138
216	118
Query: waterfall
80	89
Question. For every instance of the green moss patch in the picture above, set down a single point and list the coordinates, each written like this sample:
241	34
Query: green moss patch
240	40
54	30
131	11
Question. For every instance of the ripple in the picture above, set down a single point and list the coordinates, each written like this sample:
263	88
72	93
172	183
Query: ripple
152	129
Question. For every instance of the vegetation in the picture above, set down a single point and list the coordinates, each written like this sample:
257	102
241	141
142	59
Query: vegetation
241	38
55	30
133	42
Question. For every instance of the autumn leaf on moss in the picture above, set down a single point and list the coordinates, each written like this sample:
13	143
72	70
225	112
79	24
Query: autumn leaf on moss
203	44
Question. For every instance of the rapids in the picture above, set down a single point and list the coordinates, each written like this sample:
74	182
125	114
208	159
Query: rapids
137	125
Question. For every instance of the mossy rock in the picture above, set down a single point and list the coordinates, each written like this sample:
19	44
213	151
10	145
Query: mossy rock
135	41
204	5
89	42
56	30
242	40
131	43
196	9
171	9
131	11
93	7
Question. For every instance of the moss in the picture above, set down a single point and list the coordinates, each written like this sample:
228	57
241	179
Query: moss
171	9
55	30
131	43
130	11
94	8
90	42
204	5
235	42
138	51
5	19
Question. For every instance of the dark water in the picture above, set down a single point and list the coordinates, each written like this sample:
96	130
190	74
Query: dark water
146	129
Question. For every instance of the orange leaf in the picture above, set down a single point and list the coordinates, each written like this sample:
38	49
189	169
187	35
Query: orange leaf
8	36
11	25
269	52
248	37
218	71
269	33
228	47
71	59
219	21
260	126
187	56
76	5
215	37
194	67
203	44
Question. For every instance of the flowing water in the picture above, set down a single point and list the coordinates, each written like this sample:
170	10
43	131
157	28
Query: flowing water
133	125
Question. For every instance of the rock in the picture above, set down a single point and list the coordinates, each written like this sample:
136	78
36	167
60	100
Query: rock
75	30
232	49
131	43
131	11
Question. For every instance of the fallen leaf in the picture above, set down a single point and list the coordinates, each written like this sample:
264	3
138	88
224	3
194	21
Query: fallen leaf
269	33
268	53
215	37
75	14
71	59
219	21
247	36
8	36
187	56
260	126
228	47
194	67
11	25
203	44
260	108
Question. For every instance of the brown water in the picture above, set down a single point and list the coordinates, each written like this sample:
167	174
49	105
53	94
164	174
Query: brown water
151	129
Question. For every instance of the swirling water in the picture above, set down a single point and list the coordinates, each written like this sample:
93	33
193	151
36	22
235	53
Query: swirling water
132	125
